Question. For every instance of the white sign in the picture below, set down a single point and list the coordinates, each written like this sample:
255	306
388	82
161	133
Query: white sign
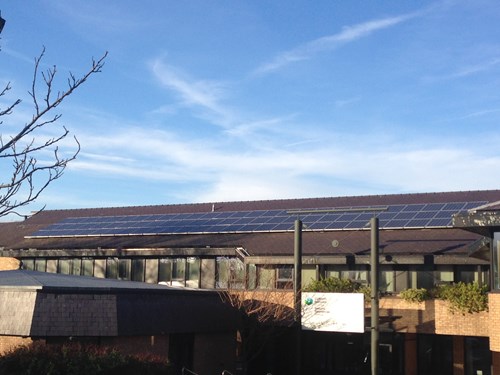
333	312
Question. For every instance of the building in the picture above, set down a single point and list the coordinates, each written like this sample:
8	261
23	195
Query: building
135	318
249	245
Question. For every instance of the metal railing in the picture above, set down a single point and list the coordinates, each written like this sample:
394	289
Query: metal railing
188	371
224	372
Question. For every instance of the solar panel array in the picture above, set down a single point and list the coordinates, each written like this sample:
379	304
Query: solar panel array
431	215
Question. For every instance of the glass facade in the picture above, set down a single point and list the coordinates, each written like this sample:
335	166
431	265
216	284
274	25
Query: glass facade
232	273
495	261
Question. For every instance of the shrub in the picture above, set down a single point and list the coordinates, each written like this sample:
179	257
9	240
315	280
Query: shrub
78	360
333	285
464	297
415	295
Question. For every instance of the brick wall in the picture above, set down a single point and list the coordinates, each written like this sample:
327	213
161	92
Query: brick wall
494	321
433	317
430	317
153	345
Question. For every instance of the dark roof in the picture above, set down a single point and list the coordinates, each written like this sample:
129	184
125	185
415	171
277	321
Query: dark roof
24	279
12	235
52	216
42	304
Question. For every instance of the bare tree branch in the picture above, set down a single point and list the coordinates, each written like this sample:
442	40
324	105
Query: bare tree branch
22	151
264	315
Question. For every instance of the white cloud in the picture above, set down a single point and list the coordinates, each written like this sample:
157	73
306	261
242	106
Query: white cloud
207	96
203	94
478	68
347	35
216	171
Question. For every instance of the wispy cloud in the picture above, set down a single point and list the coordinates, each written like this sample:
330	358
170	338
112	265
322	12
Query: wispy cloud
345	102
82	15
202	94
347	35
269	124
206	97
215	171
477	68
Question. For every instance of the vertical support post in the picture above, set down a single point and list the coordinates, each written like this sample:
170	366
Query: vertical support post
374	255
297	270
297	287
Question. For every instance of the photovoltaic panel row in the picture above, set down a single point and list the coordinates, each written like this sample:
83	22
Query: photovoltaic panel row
345	218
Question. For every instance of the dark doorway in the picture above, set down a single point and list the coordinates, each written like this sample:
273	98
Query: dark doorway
180	351
435	355
349	354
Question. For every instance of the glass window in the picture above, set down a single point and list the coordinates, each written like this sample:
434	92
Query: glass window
394	278
76	266
422	277
359	275
28	264
64	266
179	272
88	267
230	273
193	272
222	276
165	270
40	265
265	277
138	270
238	274
252	276
468	274
387	281
112	268
444	275
284	279
124	269
333	271
308	275
496	261
402	280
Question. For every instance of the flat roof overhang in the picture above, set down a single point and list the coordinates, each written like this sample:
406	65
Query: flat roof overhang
483	222
118	252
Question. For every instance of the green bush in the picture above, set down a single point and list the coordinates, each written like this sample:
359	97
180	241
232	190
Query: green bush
464	297
78	360
337	285
415	295
333	285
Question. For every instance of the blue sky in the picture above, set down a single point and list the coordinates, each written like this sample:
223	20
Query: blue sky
203	101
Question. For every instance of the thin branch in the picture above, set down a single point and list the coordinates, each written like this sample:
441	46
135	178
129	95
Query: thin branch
29	177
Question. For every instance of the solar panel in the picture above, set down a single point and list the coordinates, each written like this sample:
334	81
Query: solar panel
346	218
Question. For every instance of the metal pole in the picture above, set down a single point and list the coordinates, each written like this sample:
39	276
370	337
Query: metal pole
297	251
297	286
374	294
